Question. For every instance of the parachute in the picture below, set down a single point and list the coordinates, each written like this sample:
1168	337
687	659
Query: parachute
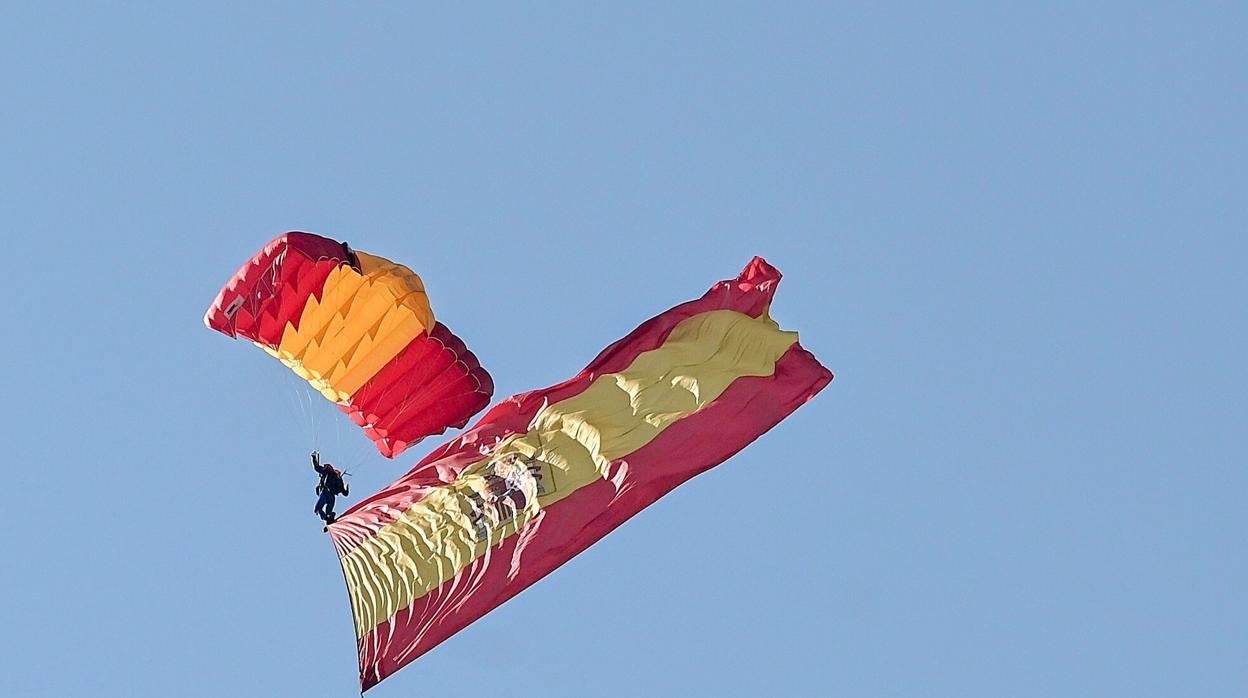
547	473
359	329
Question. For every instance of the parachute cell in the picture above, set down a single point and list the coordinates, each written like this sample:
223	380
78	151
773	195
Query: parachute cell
359	329
547	473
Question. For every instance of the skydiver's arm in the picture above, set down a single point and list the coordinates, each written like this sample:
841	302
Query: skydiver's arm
346	488
316	461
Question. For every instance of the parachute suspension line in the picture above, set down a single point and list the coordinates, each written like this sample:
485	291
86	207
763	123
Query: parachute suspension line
338	434
302	419
300	422
354	456
296	420
316	433
357	455
351	453
309	414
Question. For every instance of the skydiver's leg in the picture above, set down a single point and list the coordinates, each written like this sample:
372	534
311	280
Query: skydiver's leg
324	505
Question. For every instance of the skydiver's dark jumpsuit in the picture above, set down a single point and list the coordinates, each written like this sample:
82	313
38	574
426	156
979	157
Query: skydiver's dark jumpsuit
331	485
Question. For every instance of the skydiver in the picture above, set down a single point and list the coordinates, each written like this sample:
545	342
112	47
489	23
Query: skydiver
330	486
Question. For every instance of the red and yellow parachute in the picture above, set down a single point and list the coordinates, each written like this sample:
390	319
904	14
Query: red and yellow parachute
358	328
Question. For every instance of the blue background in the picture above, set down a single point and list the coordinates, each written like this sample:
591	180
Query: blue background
1017	236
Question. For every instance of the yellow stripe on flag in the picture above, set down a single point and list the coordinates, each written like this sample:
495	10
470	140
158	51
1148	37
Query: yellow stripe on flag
574	441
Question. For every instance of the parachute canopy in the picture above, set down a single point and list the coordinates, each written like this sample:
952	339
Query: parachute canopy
547	473
359	329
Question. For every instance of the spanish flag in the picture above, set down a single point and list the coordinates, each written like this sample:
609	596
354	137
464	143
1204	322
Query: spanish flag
547	473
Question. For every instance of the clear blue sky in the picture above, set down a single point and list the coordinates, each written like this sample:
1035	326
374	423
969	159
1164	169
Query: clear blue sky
1017	236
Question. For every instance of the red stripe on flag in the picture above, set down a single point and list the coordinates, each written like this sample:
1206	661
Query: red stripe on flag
746	409
750	293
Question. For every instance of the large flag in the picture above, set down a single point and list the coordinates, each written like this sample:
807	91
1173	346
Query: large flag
547	473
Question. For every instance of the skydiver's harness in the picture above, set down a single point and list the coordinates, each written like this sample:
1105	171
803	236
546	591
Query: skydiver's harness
332	482
331	477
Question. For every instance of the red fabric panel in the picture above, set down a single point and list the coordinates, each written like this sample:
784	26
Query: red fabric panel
271	289
435	382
